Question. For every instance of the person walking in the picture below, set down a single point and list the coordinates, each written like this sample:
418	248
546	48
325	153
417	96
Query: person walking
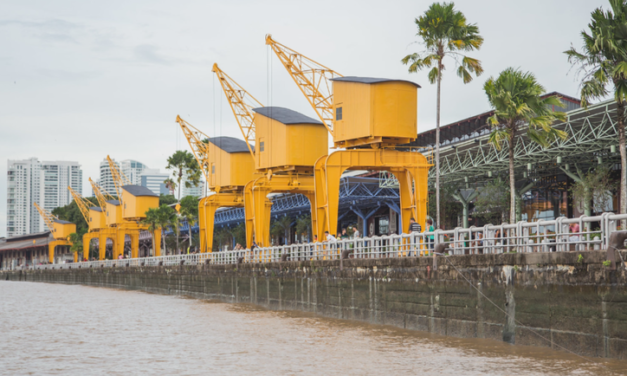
414	227
430	238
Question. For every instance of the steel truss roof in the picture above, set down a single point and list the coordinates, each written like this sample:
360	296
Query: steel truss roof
590	131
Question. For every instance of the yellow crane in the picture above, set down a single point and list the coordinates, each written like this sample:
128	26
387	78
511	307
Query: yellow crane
99	218
286	146
59	229
370	117
126	213
94	217
227	166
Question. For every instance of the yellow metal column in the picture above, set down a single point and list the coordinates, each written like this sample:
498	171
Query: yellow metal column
249	213
261	209
321	194
118	246
314	211
202	225
157	245
134	244
51	247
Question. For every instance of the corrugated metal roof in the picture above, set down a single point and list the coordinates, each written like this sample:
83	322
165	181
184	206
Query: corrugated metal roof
230	144
370	80
139	191
286	116
62	222
114	202
26	241
94	208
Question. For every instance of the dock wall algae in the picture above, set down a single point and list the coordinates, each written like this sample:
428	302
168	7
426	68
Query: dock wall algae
574	302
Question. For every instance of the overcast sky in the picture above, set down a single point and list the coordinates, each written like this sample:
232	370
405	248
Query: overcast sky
80	80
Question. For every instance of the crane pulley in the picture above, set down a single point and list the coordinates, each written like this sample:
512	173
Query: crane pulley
242	104
311	77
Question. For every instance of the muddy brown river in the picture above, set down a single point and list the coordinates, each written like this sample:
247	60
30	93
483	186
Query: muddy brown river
48	329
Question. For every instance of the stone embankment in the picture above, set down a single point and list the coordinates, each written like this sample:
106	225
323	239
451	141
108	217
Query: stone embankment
570	299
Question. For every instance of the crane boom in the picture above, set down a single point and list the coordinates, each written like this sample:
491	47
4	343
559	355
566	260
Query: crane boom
47	216
102	197
242	104
311	77
82	203
196	140
119	179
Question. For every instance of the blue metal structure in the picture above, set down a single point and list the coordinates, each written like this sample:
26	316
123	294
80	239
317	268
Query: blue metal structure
360	195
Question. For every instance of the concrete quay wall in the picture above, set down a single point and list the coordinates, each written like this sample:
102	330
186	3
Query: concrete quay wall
570	300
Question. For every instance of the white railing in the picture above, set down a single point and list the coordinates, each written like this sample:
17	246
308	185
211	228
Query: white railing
523	237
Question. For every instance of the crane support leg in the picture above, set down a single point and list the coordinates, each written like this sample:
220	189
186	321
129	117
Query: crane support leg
207	207
134	244
262	206
157	245
118	247
51	248
87	238
411	169
249	216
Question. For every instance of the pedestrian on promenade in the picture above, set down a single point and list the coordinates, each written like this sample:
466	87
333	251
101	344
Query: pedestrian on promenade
414	228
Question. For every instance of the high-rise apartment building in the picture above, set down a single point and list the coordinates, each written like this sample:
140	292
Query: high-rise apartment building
198	191
154	180
45	182
131	168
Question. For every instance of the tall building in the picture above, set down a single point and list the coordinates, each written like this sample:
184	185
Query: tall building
154	180
131	168
45	182
198	191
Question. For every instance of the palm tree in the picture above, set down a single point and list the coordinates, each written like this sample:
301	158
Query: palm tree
303	226
189	212
444	32
184	163
282	226
166	217
152	221
77	243
603	63
517	102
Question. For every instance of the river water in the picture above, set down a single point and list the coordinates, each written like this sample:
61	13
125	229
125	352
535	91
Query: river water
48	329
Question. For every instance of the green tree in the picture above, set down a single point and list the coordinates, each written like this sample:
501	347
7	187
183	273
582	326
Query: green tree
492	203
450	208
167	218
516	99
444	32
592	189
77	243
166	199
182	163
281	227
221	237
239	234
603	64
189	212
303	226
152	221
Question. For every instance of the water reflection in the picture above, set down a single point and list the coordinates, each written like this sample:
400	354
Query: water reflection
72	330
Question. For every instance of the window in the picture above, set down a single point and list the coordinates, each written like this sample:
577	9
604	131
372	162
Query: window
338	113
261	148
213	169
